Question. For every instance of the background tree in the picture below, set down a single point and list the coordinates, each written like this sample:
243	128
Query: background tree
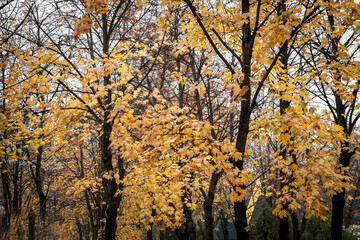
136	119
337	88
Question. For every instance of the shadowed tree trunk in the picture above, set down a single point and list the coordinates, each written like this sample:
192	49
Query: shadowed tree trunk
31	227
338	200
208	205
190	228
284	105
244	122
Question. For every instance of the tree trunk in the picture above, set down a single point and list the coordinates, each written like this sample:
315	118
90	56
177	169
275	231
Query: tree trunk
16	196
6	195
338	200
244	122
31	226
284	105
295	227
208	204
109	184
240	207
284	228
38	184
190	229
224	225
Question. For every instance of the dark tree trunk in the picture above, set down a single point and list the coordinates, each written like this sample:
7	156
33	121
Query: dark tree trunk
15	203
338	200
338	203
295	227
5	176
240	206
38	184
6	194
149	233
240	220
208	204
31	226
284	105
190	229
244	122
284	228
109	185
209	220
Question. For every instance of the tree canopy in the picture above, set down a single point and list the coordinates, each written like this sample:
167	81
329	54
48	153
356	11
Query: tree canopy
134	119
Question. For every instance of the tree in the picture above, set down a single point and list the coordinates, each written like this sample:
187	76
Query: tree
127	118
255	17
338	88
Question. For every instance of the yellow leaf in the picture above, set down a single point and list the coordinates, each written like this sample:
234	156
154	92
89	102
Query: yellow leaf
187	131
272	176
283	213
130	116
237	156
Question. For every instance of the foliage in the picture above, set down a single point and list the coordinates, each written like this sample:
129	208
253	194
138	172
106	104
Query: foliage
317	229
266	226
121	117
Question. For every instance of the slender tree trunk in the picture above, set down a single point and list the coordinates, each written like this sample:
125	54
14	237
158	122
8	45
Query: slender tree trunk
338	203
31	226
15	203
6	194
208	204
338	200
284	228
209	220
149	234
243	131
244	122
190	229
21	186
39	184
5	174
295	227
109	184
284	105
